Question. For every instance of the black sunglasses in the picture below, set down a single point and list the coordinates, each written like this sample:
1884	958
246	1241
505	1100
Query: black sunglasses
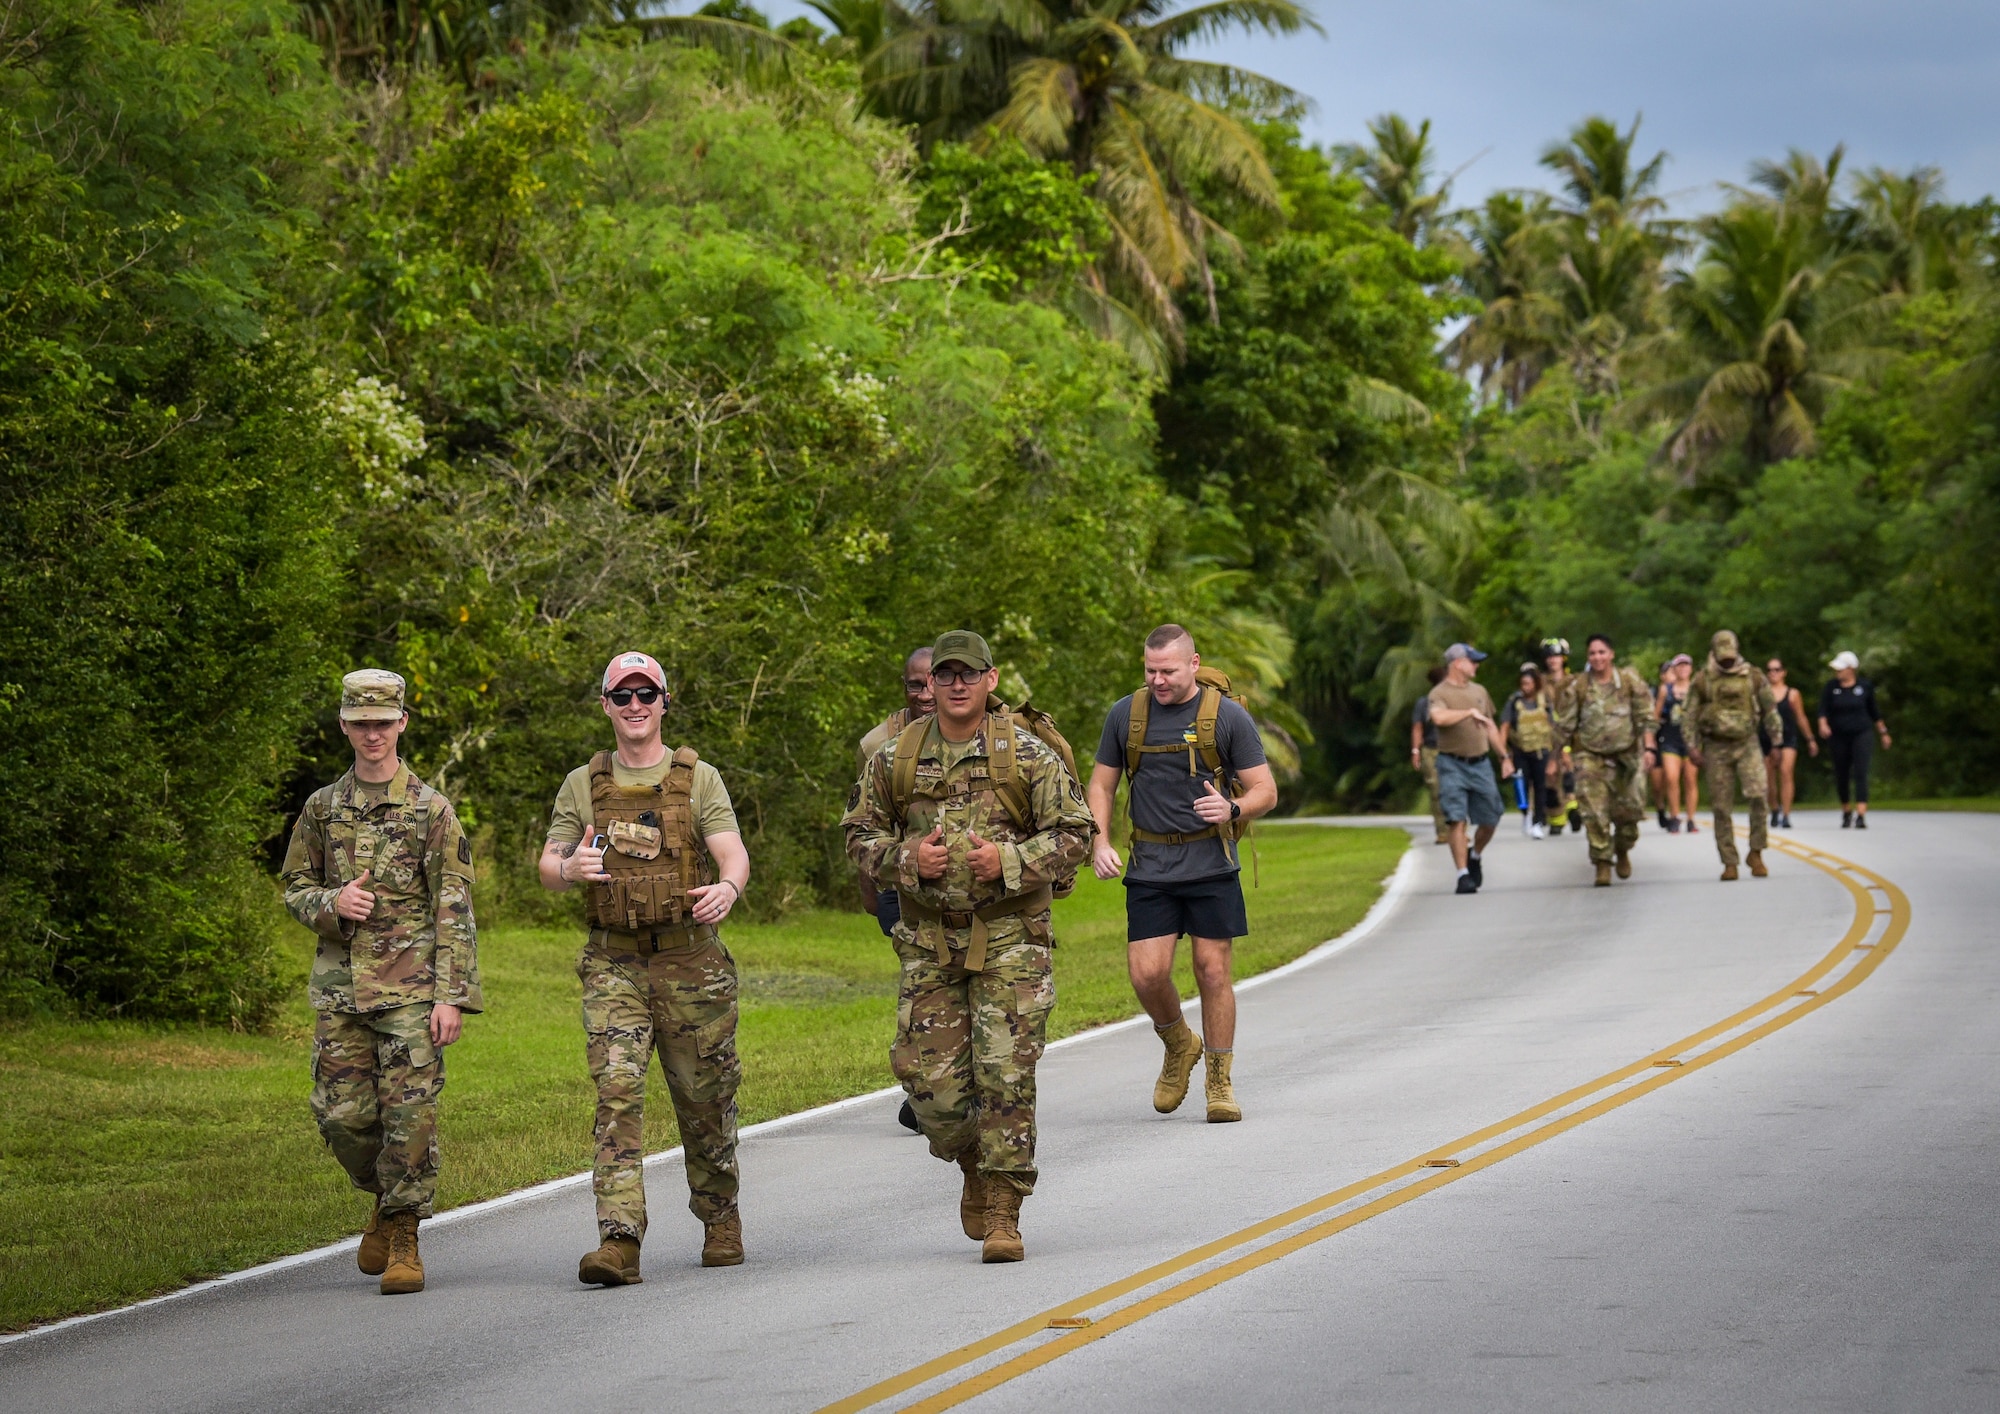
622	696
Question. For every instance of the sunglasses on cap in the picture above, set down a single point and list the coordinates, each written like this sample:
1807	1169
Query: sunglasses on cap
622	696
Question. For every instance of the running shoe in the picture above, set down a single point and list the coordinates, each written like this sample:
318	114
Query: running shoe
1575	821
1847	819
1541	832
1693	828
1527	827
1465	884
1860	822
1673	824
1472	869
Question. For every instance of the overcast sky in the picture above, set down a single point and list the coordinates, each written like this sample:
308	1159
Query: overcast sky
1720	82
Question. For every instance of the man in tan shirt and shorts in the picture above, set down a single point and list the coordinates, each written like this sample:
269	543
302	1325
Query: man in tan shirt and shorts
1463	714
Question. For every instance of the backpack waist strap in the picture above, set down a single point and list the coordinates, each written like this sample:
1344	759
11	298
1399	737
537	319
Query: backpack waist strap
976	919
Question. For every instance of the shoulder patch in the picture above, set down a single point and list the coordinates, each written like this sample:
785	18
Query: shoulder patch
854	797
464	850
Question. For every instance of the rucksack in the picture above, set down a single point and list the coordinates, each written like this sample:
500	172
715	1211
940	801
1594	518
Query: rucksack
1006	778
1214	685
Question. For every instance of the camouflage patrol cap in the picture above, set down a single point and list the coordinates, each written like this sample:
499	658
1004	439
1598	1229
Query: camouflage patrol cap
1724	645
371	695
962	645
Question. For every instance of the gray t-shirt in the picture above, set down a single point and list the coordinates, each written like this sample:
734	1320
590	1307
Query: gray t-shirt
1163	792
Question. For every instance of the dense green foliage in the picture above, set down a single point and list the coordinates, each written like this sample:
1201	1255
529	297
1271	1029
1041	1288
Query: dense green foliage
480	341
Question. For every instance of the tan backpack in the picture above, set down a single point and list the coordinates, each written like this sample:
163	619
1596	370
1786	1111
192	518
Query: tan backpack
1006	777
1214	685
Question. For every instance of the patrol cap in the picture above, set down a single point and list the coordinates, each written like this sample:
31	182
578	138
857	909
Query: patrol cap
1463	650
626	665
371	695
1844	659
962	645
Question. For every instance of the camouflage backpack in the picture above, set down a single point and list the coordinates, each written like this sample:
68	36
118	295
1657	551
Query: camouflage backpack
1730	713
1008	786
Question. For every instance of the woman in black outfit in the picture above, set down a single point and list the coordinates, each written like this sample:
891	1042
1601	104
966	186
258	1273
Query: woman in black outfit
1847	714
1781	757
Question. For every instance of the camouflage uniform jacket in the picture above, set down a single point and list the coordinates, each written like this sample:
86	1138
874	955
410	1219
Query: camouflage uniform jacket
956	796
1729	707
1609	719
421	944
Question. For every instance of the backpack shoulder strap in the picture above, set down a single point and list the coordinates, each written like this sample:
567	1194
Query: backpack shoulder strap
903	766
680	773
1205	714
1135	731
1003	764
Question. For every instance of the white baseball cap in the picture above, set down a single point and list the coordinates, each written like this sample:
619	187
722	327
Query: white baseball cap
1844	659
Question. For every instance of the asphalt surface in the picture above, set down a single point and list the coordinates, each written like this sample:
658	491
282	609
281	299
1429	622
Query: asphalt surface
1811	1222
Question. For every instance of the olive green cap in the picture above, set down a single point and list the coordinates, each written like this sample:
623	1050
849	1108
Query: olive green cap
961	645
371	695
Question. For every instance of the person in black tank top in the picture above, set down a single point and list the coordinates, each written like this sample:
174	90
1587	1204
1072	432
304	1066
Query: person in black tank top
1781	757
1683	781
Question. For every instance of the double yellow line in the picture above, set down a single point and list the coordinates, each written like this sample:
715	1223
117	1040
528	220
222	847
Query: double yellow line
1879	925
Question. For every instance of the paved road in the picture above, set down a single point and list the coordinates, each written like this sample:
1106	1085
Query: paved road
1811	1222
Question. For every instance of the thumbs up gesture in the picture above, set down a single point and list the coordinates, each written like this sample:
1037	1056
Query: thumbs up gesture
984	858
1212	805
354	902
933	855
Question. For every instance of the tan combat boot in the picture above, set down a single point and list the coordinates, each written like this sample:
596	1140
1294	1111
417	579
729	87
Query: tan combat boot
373	1258
614	1263
722	1240
1003	1223
1222	1106
1756	863
972	1197
1623	865
1729	873
405	1272
1183	1050
1604	876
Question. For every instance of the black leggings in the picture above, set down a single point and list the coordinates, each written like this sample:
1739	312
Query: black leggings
1535	766
1852	751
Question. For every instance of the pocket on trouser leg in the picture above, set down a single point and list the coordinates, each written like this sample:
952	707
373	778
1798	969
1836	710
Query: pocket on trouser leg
1010	1029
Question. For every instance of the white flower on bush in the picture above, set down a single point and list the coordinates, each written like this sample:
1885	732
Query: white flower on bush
380	435
860	392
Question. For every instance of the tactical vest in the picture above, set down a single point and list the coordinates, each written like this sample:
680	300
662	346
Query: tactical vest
1729	709
1534	727
651	849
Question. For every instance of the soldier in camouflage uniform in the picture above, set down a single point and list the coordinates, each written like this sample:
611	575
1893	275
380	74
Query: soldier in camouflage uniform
1556	681
985	820
654	837
1606	720
379	868
1727	703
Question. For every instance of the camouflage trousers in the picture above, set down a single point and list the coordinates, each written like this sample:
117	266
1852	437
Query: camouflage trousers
1428	756
1729	768
680	1001
1609	792
966	1048
376	1082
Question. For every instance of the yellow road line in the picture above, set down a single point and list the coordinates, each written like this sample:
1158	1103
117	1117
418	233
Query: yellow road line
1795	999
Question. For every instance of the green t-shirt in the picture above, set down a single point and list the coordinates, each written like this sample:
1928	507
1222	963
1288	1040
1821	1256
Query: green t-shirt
713	814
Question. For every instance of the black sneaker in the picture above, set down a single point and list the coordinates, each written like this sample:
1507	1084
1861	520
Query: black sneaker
1860	822
1466	885
1576	822
1661	816
907	1117
1472	868
1847	819
1673	824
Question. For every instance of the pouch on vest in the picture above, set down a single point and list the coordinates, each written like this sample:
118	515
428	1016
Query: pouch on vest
637	840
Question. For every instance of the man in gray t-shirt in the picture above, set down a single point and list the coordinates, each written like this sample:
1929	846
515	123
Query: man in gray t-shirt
1184	873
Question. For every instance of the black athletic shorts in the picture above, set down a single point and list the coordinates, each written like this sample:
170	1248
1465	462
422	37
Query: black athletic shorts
1202	908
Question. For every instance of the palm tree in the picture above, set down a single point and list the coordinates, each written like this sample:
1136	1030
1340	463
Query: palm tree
1104	85
1922	242
1396	173
1768	324
1599	179
1504	250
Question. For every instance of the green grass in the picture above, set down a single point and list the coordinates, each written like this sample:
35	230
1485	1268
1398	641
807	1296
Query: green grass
1985	803
134	1159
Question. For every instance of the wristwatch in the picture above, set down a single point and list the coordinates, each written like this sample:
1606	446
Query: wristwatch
1235	811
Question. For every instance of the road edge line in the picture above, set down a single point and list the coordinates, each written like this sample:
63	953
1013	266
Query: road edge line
1393	889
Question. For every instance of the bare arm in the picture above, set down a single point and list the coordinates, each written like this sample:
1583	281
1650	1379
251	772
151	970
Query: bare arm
1102	795
562	865
712	902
